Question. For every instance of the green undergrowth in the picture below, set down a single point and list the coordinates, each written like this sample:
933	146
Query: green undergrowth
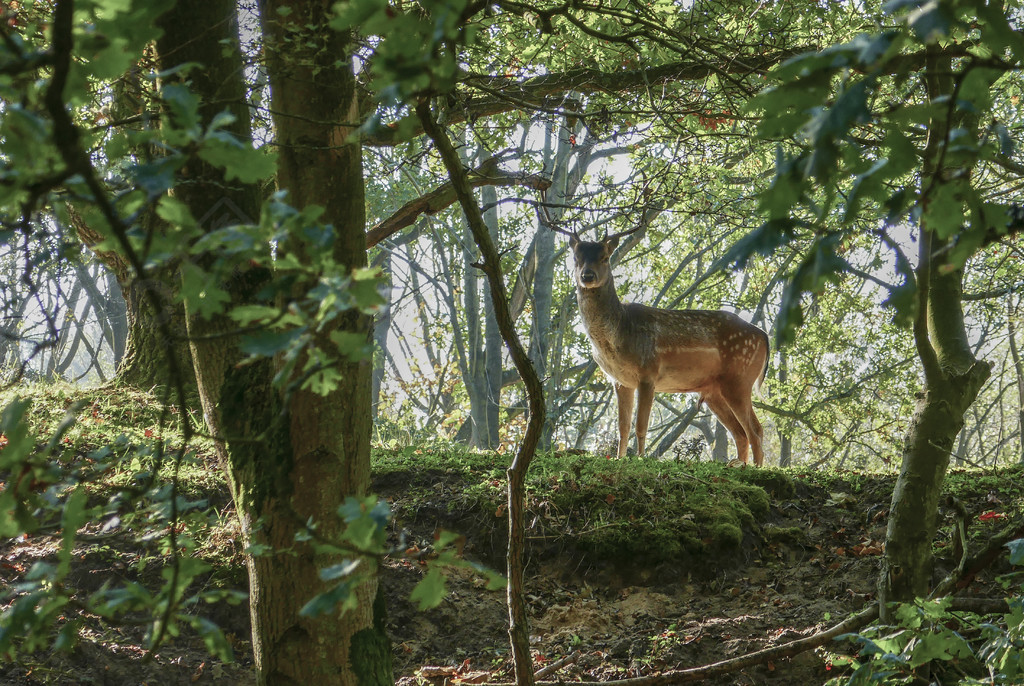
629	512
126	449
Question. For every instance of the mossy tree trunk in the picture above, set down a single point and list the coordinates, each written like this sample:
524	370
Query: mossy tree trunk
952	375
315	110
295	462
144	363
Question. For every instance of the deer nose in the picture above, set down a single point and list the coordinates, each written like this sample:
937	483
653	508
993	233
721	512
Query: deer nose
588	276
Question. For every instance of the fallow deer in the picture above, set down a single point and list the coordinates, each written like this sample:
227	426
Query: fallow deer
647	350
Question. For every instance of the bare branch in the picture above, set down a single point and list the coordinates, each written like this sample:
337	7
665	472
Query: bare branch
487	174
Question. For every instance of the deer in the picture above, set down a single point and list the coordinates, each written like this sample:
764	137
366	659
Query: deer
646	350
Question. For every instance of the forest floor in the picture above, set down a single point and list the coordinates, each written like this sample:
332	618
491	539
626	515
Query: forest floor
636	567
810	563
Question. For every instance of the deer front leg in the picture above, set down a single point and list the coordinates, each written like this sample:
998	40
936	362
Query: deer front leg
645	395
625	402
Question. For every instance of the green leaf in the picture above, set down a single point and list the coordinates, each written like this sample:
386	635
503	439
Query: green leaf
352	346
72	519
865	186
247	314
183	105
945	646
902	155
430	591
213	637
330	600
975	94
763	240
335	572
355	13
930	20
903	301
270	343
1016	551
943	211
20	440
156	177
201	293
175	212
239	160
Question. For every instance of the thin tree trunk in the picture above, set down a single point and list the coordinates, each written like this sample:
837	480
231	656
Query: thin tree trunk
68	324
493	349
1018	367
381	328
518	624
785	440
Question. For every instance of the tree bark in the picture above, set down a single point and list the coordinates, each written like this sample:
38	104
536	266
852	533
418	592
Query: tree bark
289	461
953	377
1018	368
310	70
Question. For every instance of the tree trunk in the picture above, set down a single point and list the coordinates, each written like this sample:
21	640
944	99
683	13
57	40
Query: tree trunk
785	441
141	352
310	71
953	377
381	328
476	379
288	464
144	363
1018	368
493	345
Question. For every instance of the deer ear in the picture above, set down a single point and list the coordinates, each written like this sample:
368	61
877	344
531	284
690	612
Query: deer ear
610	244
573	241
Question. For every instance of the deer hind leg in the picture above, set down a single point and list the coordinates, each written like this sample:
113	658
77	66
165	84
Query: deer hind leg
742	407
645	395
723	410
625	402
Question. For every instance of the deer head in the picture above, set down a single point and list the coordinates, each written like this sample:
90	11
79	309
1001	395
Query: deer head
592	259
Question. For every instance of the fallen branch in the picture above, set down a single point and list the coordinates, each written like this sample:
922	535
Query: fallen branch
681	676
556	665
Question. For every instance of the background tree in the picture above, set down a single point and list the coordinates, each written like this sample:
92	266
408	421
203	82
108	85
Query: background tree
924	70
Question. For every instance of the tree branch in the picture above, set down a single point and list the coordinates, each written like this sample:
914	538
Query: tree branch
503	94
487	174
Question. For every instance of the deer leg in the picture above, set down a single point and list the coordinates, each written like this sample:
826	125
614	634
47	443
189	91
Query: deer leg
724	412
625	402
645	395
742	407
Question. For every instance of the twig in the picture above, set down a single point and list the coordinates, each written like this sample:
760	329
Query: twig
556	665
681	676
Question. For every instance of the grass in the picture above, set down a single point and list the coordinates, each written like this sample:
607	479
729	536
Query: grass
639	512
125	449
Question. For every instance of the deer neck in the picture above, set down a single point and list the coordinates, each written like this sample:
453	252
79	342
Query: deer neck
602	312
